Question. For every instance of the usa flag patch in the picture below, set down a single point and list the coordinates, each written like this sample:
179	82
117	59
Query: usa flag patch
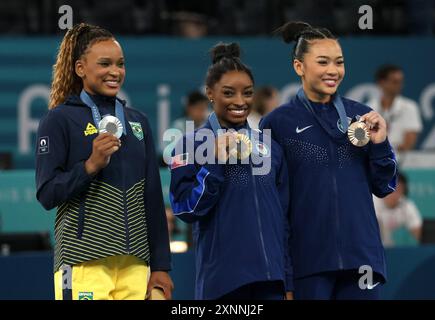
180	160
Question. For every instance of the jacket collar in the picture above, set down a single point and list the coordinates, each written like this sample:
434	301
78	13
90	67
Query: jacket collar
75	101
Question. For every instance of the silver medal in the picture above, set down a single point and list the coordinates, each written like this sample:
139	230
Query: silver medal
111	125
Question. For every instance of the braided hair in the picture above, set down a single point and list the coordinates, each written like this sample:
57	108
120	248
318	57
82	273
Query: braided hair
74	44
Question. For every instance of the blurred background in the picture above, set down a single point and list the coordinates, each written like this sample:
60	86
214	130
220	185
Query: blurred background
166	43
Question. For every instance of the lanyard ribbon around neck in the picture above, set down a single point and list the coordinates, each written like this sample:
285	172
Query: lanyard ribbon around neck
119	112
339	107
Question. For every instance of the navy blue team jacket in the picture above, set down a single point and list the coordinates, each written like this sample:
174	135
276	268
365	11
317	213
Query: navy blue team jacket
333	225
239	220
118	211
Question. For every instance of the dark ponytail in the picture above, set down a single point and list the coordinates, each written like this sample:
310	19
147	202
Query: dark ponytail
225	57
301	33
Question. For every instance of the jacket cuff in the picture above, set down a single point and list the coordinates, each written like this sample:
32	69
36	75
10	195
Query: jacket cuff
381	150
160	267
84	177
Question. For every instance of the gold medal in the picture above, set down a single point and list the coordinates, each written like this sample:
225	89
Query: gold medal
243	147
111	125
358	133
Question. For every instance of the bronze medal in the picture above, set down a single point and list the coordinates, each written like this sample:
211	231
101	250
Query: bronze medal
358	134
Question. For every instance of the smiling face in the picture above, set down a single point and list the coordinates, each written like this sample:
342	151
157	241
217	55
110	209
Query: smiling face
321	70
102	68
232	96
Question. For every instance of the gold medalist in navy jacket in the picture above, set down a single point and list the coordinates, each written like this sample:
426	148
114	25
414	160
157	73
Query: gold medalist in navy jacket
239	214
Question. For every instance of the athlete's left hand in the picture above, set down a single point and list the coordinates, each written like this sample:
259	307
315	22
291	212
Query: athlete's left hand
160	280
377	126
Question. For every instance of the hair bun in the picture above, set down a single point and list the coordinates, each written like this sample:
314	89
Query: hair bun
292	30
224	50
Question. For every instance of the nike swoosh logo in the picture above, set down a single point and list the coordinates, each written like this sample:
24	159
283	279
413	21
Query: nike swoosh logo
303	129
371	286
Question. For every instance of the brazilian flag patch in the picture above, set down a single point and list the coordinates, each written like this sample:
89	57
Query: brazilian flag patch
137	129
86	296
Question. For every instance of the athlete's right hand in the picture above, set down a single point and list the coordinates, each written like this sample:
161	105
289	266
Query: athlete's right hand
223	144
103	147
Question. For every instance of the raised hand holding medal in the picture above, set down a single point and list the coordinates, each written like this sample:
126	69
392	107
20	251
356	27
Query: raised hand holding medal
111	125
103	146
107	142
376	125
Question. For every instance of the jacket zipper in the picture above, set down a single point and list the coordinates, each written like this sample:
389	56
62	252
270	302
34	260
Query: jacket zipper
337	216
127	234
257	207
81	219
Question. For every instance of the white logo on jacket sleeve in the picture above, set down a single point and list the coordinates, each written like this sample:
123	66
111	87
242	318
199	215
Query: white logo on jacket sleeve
43	145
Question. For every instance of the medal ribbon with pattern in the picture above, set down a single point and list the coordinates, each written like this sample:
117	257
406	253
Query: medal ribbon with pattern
119	111
338	104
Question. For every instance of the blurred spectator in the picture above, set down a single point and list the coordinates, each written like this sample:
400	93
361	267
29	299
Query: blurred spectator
190	25
265	100
248	17
5	161
421	16
401	114
395	211
195	18
196	110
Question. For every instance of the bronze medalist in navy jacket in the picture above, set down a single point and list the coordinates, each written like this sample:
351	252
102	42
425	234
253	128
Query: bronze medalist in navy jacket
332	218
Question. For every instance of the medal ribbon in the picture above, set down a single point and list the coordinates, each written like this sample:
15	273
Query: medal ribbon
119	112
215	125
339	107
